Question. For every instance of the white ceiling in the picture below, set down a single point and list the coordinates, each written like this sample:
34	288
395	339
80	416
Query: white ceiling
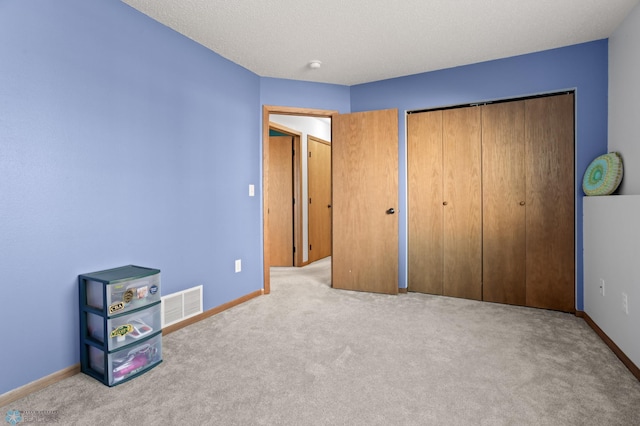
360	41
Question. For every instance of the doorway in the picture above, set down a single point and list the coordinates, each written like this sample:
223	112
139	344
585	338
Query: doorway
266	114
364	198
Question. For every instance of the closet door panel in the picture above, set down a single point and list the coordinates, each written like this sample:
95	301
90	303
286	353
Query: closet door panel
463	198
503	189
549	138
424	153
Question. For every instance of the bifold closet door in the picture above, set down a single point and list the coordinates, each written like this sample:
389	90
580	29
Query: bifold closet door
504	203
445	204
425	217
462	202
500	227
549	139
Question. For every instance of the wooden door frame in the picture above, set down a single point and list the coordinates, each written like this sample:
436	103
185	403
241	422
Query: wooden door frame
266	111
296	190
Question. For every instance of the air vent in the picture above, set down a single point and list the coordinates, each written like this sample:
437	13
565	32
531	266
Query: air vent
179	306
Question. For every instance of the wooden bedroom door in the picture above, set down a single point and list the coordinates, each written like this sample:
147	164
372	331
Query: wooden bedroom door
365	200
319	184
281	200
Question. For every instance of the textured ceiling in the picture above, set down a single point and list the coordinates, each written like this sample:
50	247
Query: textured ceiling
360	41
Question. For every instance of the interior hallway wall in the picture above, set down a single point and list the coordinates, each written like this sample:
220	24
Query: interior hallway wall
624	98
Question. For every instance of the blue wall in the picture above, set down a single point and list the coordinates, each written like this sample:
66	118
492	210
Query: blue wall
121	142
581	67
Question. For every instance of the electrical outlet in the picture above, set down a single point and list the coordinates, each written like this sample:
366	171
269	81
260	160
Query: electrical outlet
601	287
238	265
625	303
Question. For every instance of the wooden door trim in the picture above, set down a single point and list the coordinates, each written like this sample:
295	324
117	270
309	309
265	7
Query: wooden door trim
297	190
266	111
317	139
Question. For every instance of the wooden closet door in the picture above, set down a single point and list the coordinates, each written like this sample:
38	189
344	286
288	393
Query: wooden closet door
549	138
425	209
504	207
462	201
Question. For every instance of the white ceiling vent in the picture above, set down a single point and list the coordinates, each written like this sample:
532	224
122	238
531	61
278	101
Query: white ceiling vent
179	306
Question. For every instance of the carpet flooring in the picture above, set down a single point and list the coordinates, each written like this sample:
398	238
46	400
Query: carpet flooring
307	354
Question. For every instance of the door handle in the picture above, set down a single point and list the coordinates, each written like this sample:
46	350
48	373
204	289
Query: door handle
329	206
391	211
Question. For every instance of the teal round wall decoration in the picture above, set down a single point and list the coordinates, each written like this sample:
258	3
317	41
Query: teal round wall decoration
604	174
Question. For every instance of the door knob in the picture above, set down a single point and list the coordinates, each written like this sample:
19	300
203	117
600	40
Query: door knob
444	203
391	211
522	203
329	206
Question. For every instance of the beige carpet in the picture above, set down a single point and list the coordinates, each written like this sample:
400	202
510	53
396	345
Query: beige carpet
310	355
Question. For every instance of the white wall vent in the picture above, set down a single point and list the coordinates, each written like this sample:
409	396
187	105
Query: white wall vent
179	306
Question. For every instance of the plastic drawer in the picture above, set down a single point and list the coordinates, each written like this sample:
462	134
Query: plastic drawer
124	329
127	362
124	296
